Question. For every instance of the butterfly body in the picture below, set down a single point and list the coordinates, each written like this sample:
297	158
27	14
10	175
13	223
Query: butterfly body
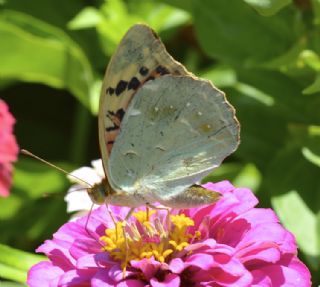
194	195
161	129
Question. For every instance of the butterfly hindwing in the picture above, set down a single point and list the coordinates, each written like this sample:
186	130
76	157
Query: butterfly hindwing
175	131
140	57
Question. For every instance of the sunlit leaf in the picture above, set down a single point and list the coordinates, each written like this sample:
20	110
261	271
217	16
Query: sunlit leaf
295	190
241	176
15	263
268	7
34	51
87	18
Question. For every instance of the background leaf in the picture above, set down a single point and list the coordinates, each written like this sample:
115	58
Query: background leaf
268	7
15	263
56	60
263	54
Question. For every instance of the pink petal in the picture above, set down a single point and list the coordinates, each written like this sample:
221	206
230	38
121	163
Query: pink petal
236	228
104	260
130	283
101	278
200	260
265	251
87	261
271	232
148	266
8	148
171	280
82	247
176	265
5	179
76	278
44	274
282	276
57	254
215	277
116	273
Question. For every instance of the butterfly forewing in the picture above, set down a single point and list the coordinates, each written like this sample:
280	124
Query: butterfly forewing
175	131
140	57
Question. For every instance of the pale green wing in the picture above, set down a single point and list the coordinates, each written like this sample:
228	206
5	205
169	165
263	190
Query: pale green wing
176	130
140	57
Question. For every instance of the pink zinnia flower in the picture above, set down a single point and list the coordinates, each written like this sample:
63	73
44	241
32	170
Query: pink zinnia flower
8	148
229	243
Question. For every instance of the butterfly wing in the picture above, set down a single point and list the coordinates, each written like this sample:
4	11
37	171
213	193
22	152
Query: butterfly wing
140	57
176	130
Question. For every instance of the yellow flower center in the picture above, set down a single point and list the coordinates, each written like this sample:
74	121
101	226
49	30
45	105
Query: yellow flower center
146	239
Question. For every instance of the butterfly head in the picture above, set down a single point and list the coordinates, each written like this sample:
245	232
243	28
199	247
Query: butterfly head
99	192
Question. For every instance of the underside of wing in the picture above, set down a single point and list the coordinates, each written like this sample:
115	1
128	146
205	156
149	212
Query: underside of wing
176	130
140	57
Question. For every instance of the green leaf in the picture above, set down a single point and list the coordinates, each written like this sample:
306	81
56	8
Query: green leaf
261	137
268	7
311	59
240	175
115	17
235	33
36	180
316	11
249	177
310	156
87	18
311	145
221	76
34	51
182	4
295	190
12	284
289	102
32	180
14	263
314	87
299	219
49	11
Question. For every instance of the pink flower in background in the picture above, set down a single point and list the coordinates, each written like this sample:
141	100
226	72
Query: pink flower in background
229	243
8	148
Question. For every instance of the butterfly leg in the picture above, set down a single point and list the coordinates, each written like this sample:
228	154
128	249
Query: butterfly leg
167	209
113	220
123	225
86	226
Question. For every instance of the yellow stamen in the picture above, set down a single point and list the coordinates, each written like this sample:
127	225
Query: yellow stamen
146	238
142	216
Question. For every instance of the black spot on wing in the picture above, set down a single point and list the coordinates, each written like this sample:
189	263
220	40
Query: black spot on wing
134	83
144	71
150	78
120	113
162	70
122	85
110	91
113	128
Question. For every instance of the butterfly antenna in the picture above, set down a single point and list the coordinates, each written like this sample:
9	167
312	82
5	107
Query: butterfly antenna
76	190
26	152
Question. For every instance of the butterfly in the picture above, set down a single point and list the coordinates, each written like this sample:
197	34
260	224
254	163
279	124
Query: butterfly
161	129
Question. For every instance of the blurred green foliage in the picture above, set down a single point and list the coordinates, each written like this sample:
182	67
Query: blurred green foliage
263	53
